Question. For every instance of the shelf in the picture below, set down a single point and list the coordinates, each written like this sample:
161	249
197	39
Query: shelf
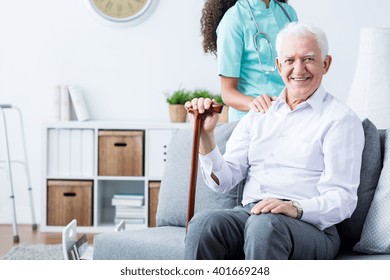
71	153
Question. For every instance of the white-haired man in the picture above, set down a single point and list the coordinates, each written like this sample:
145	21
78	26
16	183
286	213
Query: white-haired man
300	162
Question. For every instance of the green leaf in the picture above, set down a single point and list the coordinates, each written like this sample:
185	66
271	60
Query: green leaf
179	96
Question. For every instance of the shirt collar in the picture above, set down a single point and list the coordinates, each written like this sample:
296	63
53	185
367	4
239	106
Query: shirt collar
315	101
259	4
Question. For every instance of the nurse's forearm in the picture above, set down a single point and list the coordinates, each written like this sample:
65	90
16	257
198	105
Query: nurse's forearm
232	96
237	100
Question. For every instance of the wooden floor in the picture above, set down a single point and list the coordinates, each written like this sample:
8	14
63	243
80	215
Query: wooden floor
28	235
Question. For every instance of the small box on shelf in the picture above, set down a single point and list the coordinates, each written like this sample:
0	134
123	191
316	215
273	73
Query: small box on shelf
121	153
68	200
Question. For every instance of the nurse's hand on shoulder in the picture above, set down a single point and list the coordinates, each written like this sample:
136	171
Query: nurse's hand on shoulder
202	104
262	103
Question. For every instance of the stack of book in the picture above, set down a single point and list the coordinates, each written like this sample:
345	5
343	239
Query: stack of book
129	207
69	101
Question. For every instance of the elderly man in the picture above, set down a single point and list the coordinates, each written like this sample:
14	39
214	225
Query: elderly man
300	162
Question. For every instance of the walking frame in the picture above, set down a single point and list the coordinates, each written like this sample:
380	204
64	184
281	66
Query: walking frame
8	168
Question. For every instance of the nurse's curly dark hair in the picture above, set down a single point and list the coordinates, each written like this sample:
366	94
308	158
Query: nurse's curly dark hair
212	14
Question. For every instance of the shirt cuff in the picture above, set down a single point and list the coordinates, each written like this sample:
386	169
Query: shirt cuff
212	162
311	215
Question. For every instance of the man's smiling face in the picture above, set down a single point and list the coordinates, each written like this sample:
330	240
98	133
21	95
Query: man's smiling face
301	66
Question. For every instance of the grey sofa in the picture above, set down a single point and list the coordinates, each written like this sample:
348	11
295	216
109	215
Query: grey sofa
166	240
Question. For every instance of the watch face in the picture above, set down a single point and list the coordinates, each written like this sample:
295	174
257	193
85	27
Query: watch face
120	10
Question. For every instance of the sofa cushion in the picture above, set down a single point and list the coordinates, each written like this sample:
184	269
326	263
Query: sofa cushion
358	256
350	229
160	243
173	197
375	237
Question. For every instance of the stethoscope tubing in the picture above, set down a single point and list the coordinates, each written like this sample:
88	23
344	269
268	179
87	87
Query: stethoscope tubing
253	16
259	32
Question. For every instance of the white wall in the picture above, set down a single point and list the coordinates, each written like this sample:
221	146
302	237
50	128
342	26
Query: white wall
125	72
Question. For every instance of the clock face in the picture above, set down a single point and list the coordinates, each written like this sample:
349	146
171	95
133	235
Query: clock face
120	10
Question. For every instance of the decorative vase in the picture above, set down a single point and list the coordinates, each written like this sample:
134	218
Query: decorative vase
369	96
177	113
224	116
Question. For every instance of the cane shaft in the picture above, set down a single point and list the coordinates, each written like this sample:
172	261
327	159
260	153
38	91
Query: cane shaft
194	167
198	119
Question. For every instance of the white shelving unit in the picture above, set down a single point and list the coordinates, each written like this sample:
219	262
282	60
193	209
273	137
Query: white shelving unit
71	153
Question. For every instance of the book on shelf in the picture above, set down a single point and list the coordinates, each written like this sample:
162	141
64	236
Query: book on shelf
127	209
69	103
64	104
130	208
131	221
129	196
121	215
78	103
56	114
127	200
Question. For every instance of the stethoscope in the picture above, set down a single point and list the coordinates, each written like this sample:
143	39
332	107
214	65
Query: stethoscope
260	35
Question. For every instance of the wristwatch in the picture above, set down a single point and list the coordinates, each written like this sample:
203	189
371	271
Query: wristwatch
299	209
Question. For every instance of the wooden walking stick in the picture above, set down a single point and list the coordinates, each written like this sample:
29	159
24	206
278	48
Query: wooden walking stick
198	119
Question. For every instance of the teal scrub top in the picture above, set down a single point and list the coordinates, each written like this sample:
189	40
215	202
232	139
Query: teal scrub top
237	56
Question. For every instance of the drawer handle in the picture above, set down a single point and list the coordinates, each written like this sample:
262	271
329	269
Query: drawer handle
120	144
70	194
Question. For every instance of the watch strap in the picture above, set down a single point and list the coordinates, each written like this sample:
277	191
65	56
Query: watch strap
299	209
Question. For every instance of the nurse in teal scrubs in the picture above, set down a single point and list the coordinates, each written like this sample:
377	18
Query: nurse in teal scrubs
245	47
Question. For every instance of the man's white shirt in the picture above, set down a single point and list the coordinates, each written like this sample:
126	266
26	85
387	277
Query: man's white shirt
311	155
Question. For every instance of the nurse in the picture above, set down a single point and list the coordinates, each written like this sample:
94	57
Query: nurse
242	34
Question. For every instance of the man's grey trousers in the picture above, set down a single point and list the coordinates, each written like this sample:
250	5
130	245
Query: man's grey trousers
236	234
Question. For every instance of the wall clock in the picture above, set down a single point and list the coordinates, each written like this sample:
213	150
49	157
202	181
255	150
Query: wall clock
120	11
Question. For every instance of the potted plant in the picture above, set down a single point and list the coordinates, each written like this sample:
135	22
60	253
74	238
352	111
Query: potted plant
176	101
201	93
223	118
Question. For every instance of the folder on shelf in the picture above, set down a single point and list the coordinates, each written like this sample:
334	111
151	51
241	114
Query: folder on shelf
70	152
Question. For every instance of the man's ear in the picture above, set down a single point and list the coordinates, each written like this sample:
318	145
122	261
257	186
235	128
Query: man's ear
279	65
327	63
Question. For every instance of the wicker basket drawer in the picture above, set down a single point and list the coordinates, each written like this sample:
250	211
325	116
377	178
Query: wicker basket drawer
68	200
121	153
